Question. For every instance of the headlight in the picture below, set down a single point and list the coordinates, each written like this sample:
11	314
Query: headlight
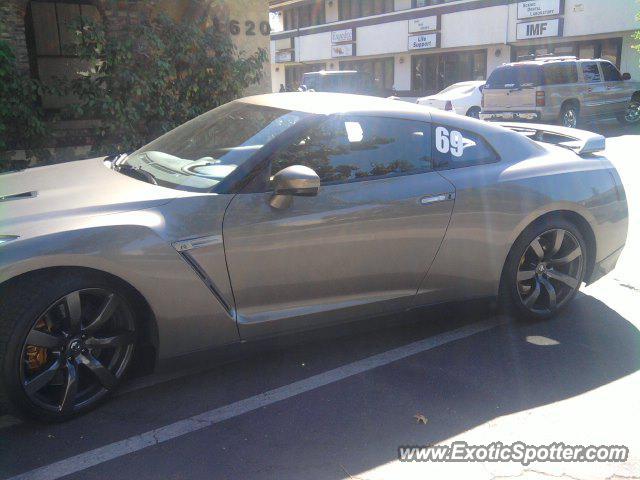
7	238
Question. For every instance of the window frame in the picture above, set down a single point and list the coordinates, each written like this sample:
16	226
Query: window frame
615	69
600	73
440	166
428	128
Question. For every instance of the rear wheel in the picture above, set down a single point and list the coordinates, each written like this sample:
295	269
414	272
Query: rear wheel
631	116
474	112
544	269
70	341
569	116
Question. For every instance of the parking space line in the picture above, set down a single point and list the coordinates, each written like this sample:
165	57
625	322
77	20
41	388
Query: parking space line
192	424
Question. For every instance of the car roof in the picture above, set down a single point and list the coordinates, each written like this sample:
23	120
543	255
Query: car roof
552	60
468	83
332	72
325	103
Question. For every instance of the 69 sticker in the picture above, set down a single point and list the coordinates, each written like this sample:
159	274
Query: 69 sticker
452	142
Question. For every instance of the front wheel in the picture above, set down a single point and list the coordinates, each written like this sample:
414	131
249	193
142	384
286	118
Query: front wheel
631	116
70	340
544	270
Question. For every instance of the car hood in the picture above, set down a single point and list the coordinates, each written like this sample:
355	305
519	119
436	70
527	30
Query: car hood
82	188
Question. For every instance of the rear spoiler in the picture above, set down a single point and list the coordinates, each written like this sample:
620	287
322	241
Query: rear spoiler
579	141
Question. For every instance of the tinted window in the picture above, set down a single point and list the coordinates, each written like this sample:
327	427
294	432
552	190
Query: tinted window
591	72
511	76
453	148
559	73
349	148
610	72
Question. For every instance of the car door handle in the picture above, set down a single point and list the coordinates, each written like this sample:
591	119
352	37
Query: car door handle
440	197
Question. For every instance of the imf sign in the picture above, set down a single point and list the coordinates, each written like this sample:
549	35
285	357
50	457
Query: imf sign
541	29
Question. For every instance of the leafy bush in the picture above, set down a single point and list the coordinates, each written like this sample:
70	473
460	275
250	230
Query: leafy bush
22	123
154	75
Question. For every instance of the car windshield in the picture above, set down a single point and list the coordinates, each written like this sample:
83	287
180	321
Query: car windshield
200	154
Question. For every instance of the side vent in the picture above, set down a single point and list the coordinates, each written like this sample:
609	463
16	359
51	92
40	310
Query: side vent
207	281
18	196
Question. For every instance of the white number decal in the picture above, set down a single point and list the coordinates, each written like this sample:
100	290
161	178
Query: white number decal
457	143
442	140
452	142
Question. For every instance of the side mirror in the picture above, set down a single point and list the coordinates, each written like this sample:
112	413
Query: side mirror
295	180
626	76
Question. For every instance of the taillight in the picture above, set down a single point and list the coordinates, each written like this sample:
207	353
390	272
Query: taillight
540	99
448	106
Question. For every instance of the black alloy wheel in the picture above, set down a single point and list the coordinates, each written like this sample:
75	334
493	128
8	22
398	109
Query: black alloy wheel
76	351
550	271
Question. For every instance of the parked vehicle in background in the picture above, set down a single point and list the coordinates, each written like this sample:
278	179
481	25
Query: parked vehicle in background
464	98
560	89
340	81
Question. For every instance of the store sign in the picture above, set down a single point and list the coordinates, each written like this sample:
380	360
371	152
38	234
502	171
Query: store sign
283	43
339	36
282	57
538	8
424	24
545	28
345	50
418	42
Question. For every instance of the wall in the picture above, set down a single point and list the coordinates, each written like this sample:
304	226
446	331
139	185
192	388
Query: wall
474	27
630	61
389	37
12	21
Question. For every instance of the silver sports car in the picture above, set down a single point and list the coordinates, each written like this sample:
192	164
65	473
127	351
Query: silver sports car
282	213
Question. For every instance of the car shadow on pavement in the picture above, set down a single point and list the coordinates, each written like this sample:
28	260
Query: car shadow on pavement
356	424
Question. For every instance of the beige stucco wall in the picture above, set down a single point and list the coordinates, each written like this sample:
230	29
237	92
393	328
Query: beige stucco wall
247	15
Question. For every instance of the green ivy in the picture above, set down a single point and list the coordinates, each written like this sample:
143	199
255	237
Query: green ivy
22	124
154	75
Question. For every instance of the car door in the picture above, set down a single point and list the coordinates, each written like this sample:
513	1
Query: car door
593	90
360	247
616	93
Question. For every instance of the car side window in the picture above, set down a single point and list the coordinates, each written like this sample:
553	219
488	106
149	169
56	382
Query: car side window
591	72
351	148
610	72
455	148
560	73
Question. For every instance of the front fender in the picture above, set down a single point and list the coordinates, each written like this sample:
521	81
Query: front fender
188	316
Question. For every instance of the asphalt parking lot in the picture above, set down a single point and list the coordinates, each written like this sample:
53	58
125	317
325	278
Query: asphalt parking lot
339	408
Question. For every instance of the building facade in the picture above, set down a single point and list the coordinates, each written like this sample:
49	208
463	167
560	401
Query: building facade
38	33
418	47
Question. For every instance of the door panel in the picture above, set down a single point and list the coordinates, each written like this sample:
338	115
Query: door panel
356	249
594	97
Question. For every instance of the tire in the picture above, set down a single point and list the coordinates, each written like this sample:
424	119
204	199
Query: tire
66	342
558	274
632	115
474	112
570	115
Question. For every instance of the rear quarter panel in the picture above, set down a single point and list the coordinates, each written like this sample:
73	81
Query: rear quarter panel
496	202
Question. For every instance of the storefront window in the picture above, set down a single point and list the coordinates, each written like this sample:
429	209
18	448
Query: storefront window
608	49
350	9
432	73
293	74
304	16
381	69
